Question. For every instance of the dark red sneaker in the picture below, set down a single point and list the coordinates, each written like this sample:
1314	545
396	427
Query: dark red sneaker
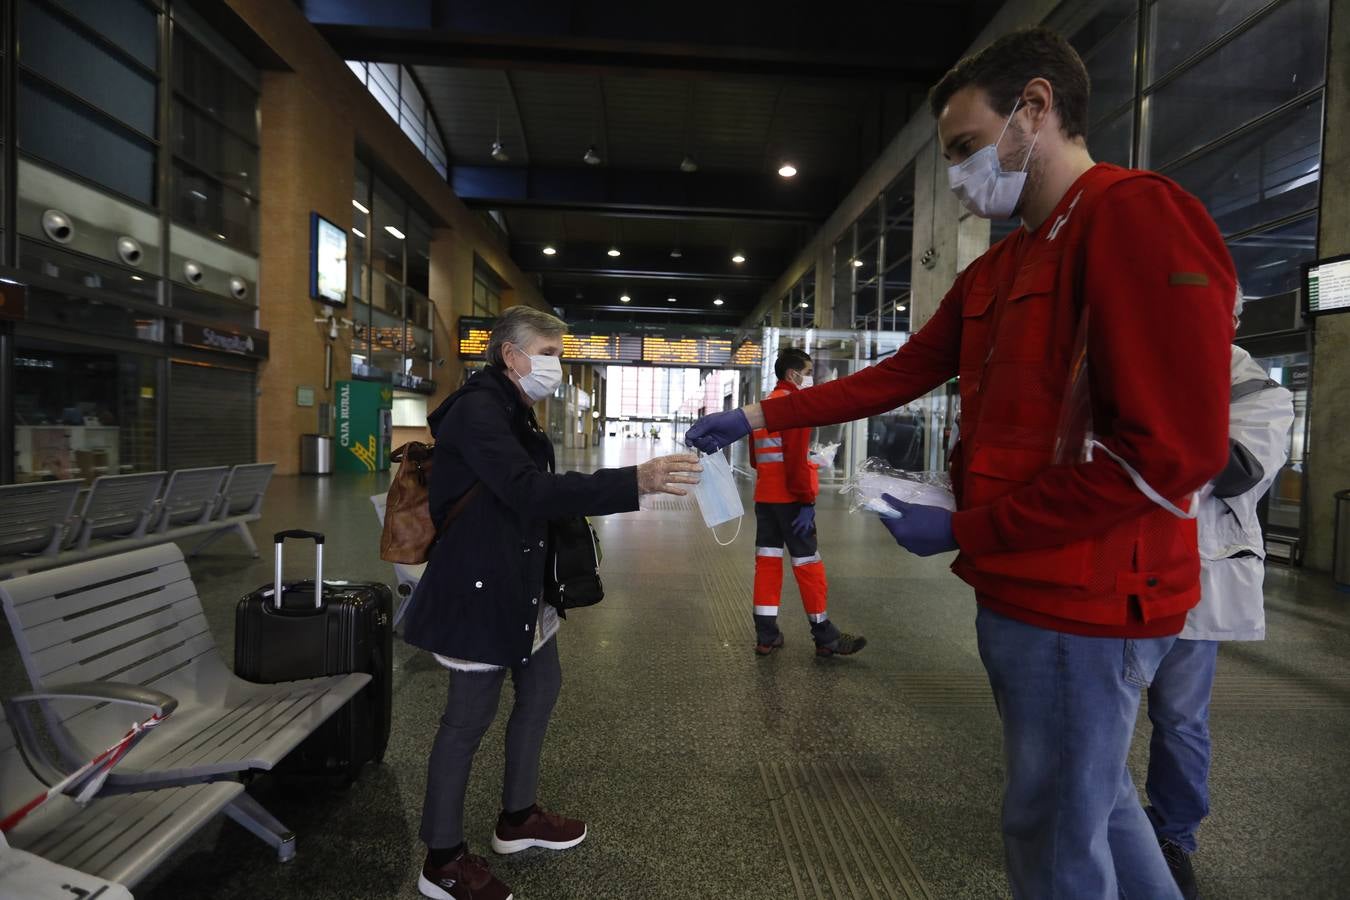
844	645
766	649
466	877
541	829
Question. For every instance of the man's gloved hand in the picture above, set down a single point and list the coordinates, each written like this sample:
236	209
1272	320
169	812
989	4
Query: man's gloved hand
713	432
805	521
922	530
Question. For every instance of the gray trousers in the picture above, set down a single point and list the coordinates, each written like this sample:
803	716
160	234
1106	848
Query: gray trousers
469	711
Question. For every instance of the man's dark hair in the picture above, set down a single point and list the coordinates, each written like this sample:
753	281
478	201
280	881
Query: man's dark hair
793	359
1003	69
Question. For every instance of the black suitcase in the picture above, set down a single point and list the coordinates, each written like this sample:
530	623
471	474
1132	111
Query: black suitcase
343	627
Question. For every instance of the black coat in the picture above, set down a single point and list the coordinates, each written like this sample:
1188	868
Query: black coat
479	597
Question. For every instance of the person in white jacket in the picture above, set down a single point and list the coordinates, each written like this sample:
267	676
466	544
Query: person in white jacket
1231	608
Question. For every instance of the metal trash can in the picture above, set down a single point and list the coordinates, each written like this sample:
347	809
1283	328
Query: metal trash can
316	454
1340	554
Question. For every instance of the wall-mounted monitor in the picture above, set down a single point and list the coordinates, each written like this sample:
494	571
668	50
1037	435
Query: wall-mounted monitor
328	262
1326	285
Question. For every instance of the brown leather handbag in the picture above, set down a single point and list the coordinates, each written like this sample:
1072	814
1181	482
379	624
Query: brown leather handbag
409	533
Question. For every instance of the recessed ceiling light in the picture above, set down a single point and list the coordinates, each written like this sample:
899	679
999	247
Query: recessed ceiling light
676	253
591	157
688	164
395	232
549	250
899	307
137	278
358	232
670	299
718	302
857	263
787	170
803	305
738	258
625	299
360	208
613	251
499	153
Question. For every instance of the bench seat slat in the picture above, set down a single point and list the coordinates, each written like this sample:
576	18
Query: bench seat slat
59	593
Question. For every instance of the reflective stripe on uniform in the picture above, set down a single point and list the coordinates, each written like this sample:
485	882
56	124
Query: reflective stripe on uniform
765	610
768	442
769	551
817	618
805	560
769	457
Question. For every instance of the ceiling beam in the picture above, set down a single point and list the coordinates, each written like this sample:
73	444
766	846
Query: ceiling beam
698	265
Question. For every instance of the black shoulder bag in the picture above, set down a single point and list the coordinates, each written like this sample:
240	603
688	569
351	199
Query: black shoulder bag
572	578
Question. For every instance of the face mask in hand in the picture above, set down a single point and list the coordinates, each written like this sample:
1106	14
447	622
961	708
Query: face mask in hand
981	184
717	497
544	378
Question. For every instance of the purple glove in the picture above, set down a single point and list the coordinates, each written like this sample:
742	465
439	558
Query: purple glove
805	521
713	432
922	530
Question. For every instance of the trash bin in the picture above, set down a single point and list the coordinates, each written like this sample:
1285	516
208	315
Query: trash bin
316	454
1340	555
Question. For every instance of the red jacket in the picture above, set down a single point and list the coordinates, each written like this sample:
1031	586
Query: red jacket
1075	547
784	473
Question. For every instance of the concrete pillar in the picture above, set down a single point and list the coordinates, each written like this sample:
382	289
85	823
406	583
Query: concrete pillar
451	290
937	226
300	175
825	317
1329	412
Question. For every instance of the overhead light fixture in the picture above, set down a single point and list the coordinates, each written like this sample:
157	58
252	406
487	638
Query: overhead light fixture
787	170
688	164
857	263
550	250
358	232
613	251
591	157
670	299
360	208
625	299
498	153
899	307
676	253
395	232
803	304
137	278
738	258
718	301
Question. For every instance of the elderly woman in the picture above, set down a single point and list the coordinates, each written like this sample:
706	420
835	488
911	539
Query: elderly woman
481	605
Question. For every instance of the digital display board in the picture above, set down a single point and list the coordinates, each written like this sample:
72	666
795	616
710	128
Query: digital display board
691	352
328	262
1326	285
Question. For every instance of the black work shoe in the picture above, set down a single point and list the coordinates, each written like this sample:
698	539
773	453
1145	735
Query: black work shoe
763	648
466	877
1179	861
844	645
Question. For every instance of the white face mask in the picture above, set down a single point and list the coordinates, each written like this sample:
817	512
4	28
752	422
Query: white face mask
981	184
807	381
544	377
716	493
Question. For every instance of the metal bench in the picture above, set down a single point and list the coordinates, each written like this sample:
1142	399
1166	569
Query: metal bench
136	618
116	837
190	498
118	506
33	517
240	502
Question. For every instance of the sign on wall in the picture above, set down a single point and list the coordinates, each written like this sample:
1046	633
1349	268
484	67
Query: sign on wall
328	262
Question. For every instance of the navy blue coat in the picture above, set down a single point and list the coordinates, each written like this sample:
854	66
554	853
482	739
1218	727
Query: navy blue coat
479	597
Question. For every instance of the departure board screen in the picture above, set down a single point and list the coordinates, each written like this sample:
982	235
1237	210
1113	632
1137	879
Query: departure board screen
1326	286
692	352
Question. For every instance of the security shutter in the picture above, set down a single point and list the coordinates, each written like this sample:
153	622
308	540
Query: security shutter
212	416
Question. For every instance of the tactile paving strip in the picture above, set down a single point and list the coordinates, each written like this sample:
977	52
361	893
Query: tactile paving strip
838	842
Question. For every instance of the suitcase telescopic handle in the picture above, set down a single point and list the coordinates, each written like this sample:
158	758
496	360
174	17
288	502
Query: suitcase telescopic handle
280	538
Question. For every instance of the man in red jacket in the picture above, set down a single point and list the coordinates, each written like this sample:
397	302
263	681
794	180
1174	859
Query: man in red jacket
1112	304
786	485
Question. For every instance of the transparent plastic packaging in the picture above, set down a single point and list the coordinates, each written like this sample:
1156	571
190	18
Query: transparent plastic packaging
876	477
823	455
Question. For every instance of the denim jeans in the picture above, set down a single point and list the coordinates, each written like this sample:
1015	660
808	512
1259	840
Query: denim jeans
1073	827
1178	754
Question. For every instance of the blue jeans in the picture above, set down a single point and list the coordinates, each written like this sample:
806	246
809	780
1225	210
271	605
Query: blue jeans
1178	754
1073	827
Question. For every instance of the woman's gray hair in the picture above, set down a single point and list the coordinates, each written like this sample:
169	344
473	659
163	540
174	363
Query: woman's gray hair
517	325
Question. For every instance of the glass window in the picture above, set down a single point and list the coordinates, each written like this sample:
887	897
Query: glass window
129	24
1110	67
1266	174
82	412
1268	262
204	205
358	69
1178	29
1113	141
213	86
487	300
215	150
74	137
84	271
1277	59
388	211
65	56
419	253
1089	22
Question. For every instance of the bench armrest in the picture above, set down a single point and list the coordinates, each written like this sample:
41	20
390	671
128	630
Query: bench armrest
157	702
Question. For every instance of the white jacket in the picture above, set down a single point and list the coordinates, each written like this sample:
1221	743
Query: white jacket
1232	548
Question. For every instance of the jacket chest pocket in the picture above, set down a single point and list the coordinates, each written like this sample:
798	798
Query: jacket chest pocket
994	472
1026	322
976	324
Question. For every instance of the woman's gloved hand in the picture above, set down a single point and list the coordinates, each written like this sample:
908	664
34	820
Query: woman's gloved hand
922	530
805	521
713	432
656	476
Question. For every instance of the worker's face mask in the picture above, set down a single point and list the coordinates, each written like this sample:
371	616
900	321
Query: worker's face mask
717	497
981	184
808	380
543	378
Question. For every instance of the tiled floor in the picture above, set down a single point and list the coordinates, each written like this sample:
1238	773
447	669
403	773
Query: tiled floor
705	772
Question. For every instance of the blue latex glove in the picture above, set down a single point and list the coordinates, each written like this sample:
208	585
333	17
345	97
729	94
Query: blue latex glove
922	530
805	521
713	432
